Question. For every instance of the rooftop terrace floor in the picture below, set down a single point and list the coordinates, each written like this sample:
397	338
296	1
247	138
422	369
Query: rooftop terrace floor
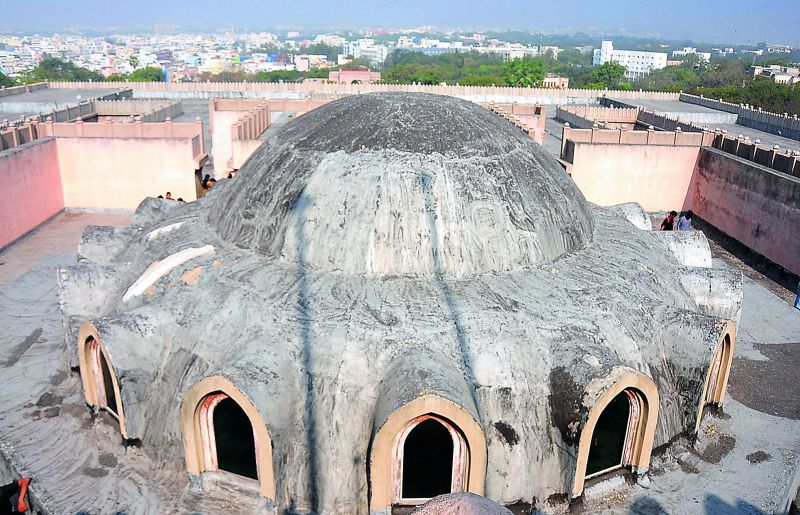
676	108
60	97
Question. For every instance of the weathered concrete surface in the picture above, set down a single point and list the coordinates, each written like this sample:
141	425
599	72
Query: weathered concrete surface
746	460
29	303
330	314
46	431
461	504
389	159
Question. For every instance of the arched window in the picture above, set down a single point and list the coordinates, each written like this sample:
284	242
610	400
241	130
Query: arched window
224	431
431	459
615	434
719	370
100	385
228	438
106	397
620	428
426	447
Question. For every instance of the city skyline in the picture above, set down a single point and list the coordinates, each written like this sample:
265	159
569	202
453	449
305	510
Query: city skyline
772	22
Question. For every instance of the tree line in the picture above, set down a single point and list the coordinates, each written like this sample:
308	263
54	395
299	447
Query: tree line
728	79
54	69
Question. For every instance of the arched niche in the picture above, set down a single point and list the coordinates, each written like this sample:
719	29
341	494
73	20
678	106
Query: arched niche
390	444
719	370
638	393
100	384
198	428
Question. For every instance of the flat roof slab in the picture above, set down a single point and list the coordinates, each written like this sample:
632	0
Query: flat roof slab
58	96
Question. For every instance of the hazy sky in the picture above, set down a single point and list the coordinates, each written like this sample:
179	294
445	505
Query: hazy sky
735	21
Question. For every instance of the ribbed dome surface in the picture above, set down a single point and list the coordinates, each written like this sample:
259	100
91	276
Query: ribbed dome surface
403	184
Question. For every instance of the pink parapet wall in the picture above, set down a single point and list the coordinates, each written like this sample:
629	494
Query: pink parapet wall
118	173
31	190
221	123
756	205
659	177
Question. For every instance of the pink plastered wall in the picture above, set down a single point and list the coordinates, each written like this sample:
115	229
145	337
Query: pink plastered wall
221	152
31	190
753	204
242	149
118	173
657	177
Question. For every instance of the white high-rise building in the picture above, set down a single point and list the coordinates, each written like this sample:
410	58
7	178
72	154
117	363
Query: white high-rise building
703	56
367	49
637	64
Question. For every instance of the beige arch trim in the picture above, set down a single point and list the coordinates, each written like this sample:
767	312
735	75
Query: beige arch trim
192	436
643	442
86	332
725	345
387	438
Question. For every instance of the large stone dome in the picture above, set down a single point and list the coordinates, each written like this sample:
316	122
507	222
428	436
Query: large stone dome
403	184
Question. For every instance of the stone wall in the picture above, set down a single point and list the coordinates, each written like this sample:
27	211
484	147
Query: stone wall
750	203
749	116
571	136
325	89
118	173
45	109
31	190
138	129
19	134
585	117
785	161
667	123
658	177
27	88
150	110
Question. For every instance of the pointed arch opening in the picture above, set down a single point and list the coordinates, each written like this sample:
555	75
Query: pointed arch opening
428	447
100	385
431	458
224	431
619	430
615	434
228	437
719	369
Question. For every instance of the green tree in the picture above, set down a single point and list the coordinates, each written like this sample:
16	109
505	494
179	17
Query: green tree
51	68
330	52
671	78
525	73
134	61
149	74
6	81
610	74
279	76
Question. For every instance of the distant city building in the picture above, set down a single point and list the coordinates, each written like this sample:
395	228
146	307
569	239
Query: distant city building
703	56
779	49
555	81
330	40
637	64
778	74
405	41
367	49
305	62
354	76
